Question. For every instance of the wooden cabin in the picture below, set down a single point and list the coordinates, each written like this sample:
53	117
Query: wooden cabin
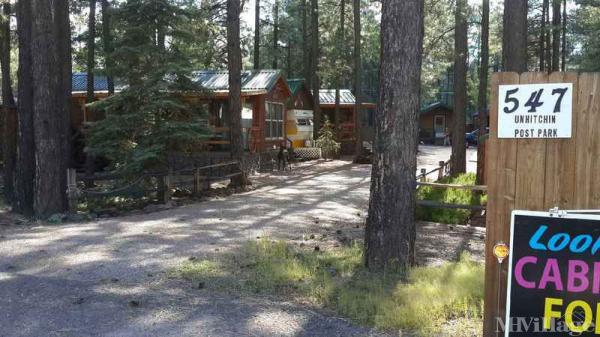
348	119
264	97
300	115
434	119
79	113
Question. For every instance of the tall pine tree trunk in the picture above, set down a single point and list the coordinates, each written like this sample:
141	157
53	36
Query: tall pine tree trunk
9	123
556	27
564	37
357	77
483	87
306	54
548	40
49	102
276	35
108	49
91	51
90	159
340	45
314	65
459	155
234	65
390	233
514	41
64	73
256	61
25	167
542	42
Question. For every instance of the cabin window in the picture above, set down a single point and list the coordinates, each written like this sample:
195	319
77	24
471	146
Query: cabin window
274	120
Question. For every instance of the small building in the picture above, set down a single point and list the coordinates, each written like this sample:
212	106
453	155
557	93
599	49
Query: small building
347	115
434	120
299	127
265	94
79	113
264	97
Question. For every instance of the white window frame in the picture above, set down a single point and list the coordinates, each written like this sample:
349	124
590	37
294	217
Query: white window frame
269	121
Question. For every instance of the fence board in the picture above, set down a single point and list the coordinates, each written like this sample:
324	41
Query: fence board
531	162
561	156
537	174
587	142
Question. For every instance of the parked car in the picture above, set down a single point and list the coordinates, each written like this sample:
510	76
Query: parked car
472	138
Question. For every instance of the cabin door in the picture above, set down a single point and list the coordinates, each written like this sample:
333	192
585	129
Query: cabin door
439	126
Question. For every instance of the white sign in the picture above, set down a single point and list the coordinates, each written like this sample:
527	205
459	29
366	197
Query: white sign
535	110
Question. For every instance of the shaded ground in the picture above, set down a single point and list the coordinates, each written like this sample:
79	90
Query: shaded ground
108	277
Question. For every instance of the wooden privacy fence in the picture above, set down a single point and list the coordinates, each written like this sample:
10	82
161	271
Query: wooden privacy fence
538	174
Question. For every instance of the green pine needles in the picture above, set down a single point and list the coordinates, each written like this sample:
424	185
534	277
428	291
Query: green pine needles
326	140
150	117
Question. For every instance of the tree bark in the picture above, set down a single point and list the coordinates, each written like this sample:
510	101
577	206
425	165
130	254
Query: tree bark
548	39
357	77
276	34
9	123
542	55
108	49
256	61
306	46
556	27
91	51
564	37
514	40
25	166
234	65
459	155
340	45
314	65
483	88
49	106
90	159
390	233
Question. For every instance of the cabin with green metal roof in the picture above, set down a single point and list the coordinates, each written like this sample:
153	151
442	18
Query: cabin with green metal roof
265	95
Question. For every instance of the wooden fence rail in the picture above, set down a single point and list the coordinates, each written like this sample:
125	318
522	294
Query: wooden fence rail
167	180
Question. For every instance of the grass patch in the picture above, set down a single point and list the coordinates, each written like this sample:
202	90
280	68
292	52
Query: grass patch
450	196
423	300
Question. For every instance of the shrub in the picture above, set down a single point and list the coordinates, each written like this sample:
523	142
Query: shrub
449	196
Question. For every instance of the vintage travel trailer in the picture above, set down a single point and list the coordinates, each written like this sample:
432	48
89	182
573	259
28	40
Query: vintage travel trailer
300	127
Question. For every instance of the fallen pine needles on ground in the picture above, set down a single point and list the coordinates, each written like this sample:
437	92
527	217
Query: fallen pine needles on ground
428	301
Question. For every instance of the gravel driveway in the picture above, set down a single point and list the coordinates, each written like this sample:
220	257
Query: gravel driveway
109	277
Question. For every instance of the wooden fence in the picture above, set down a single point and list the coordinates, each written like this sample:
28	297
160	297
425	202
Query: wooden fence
538	174
442	171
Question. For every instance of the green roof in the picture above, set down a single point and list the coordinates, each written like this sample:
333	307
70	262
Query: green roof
295	84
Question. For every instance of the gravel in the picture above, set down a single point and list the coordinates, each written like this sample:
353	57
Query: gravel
110	277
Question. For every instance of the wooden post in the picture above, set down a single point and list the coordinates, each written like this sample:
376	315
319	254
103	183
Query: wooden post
166	186
423	173
196	180
209	175
441	172
72	189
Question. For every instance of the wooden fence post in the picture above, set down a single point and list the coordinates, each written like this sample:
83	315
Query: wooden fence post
423	173
72	189
196	180
166	186
441	172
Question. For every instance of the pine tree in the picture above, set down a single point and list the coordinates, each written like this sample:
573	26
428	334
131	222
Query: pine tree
327	140
146	121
